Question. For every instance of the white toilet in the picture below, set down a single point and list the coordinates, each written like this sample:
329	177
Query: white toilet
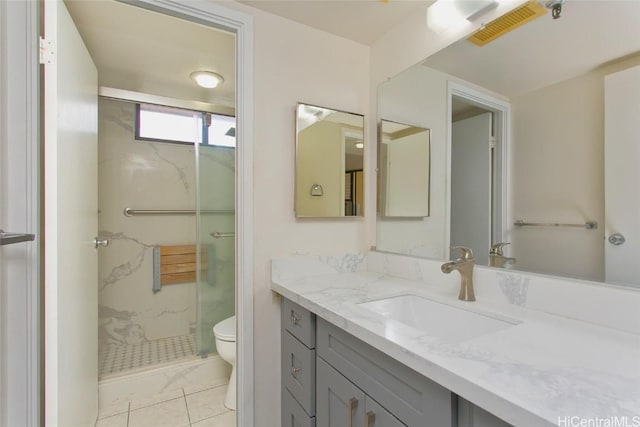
225	335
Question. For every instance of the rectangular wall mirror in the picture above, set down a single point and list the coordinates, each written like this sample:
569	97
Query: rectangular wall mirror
329	163
404	164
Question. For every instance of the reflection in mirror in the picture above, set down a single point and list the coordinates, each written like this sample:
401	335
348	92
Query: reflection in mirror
403	160
562	107
329	163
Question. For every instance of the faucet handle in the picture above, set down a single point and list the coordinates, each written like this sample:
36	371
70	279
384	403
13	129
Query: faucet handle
496	248
465	252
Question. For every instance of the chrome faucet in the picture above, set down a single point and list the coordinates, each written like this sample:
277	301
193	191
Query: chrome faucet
497	258
464	265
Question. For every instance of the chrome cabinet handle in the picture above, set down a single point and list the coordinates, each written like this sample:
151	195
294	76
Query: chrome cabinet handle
294	371
617	239
351	405
294	319
370	419
11	238
100	242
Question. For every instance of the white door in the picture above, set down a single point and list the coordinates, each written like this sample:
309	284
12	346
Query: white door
622	174
19	213
471	185
71	208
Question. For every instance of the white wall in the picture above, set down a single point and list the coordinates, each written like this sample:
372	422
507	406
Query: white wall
294	63
558	175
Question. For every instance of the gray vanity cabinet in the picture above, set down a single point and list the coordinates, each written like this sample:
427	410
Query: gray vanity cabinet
470	415
292	413
376	416
298	366
340	403
410	397
332	379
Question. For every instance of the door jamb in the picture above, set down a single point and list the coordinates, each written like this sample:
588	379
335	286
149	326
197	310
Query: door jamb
241	24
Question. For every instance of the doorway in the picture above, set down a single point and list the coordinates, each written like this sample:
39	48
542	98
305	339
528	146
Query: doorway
477	189
212	15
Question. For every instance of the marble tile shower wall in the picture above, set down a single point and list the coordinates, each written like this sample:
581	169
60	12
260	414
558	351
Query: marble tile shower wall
151	175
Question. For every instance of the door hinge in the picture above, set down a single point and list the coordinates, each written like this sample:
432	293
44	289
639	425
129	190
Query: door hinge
47	52
492	142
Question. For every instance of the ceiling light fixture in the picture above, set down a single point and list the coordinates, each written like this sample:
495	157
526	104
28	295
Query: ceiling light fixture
446	15
207	79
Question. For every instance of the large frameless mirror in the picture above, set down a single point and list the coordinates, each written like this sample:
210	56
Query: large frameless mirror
329	163
518	142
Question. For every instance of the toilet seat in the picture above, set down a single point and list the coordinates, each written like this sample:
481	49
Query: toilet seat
225	330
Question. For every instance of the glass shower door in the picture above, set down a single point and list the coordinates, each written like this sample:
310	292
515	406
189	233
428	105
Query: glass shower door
215	204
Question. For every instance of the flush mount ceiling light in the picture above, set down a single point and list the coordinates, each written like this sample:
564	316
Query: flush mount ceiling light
207	79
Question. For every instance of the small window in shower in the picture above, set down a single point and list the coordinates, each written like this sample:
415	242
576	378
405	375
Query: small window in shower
179	126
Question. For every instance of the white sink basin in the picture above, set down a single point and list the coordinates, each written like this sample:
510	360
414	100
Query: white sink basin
436	319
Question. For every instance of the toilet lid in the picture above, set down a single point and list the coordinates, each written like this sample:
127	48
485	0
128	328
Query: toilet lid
226	329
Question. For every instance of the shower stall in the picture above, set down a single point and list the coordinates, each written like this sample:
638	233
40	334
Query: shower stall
166	206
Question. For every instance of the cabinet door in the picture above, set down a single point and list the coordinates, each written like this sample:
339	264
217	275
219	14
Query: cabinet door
339	403
376	416
412	398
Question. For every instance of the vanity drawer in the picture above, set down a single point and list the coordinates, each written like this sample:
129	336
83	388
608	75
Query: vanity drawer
292	413
300	322
299	372
412	398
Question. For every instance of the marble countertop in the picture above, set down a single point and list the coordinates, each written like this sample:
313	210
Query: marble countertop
544	370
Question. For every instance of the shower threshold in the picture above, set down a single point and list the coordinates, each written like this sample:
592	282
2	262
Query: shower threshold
117	359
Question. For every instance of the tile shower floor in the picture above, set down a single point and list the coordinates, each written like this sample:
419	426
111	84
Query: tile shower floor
116	358
187	406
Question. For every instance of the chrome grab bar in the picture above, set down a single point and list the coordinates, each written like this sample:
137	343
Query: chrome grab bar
217	234
11	238
128	212
589	225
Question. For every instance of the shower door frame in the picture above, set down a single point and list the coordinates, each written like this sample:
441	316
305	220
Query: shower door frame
207	13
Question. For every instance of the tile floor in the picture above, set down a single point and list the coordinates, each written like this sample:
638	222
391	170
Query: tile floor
187	406
116	358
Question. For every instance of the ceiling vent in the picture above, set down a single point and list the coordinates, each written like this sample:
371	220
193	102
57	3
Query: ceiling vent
507	22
